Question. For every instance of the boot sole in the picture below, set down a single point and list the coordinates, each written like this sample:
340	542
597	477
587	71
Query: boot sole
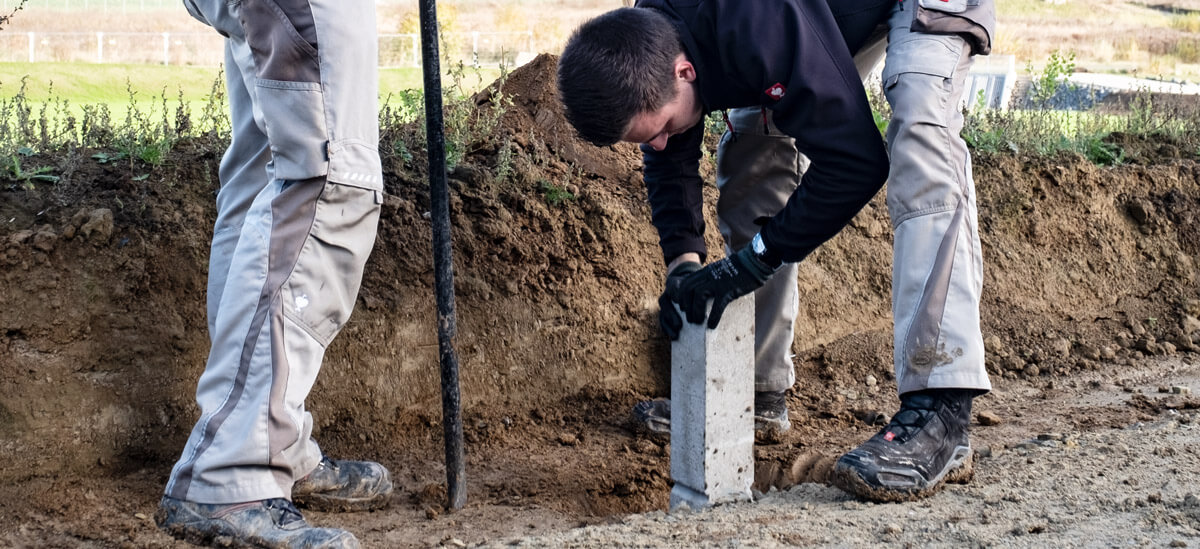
850	481
330	504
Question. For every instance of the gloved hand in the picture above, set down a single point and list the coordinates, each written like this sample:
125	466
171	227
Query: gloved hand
668	317
723	282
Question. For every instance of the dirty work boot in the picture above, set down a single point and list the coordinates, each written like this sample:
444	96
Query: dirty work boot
653	417
770	416
337	485
924	446
268	524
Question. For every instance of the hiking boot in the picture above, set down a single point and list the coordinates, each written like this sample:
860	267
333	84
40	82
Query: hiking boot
337	485
270	524
653	417
924	446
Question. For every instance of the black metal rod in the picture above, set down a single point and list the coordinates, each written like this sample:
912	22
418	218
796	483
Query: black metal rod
443	263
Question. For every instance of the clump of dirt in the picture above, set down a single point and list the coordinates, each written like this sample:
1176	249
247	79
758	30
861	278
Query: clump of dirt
557	277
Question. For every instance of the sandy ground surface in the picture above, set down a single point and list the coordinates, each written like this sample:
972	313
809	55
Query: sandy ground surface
1041	481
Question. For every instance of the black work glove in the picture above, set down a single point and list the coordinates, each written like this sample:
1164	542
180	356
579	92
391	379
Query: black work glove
668	317
722	282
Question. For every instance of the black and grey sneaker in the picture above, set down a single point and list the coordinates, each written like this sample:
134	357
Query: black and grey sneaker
271	524
653	417
337	485
924	446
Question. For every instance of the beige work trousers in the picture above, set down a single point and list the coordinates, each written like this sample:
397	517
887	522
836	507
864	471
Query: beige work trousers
937	273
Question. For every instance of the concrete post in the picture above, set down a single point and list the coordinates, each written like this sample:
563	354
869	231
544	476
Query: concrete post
712	409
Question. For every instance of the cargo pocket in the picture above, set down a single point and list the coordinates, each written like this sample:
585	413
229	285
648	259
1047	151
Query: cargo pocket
320	293
974	20
294	113
282	37
918	76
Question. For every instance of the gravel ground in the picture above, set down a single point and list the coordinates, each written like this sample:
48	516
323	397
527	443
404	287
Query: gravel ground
1133	485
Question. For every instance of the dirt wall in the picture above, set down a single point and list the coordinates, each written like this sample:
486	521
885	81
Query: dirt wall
102	329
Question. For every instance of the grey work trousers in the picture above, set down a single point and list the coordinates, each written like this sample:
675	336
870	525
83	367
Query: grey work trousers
301	189
937	272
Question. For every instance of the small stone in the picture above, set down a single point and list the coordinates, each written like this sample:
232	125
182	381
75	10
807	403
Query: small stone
140	516
1061	347
1089	352
892	529
1180	390
20	237
1178	543
1190	324
983	451
993	344
1032	370
455	542
871	381
568	439
1050	436
431	513
989	418
99	226
44	239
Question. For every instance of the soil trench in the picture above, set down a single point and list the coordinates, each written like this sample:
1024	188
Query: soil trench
1091	304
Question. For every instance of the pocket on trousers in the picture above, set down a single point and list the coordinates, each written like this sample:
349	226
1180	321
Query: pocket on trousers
321	290
295	118
282	49
974	20
919	74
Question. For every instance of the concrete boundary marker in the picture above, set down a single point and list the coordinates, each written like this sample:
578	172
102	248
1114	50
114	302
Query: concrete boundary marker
712	410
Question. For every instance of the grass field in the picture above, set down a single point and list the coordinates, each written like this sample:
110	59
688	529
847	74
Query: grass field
90	83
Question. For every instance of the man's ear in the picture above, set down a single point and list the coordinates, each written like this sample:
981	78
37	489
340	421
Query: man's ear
684	69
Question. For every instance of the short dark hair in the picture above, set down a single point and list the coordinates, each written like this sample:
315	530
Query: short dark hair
615	66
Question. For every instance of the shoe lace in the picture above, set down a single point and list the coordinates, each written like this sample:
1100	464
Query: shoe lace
286	512
915	411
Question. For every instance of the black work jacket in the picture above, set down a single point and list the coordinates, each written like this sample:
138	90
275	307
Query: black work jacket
793	57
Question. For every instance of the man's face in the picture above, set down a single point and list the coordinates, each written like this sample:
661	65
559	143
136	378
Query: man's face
677	116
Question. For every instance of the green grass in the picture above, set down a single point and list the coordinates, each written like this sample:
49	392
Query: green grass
91	83
101	83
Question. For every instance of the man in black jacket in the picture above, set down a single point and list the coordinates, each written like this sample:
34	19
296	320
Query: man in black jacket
801	157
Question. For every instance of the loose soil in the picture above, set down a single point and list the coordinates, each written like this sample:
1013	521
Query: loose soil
1090	317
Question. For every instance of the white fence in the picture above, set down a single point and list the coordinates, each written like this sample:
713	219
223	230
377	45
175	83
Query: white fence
207	48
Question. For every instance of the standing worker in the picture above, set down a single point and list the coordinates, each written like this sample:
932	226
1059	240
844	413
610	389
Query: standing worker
301	188
801	157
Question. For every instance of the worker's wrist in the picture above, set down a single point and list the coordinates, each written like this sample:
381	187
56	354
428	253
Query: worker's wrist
689	257
765	253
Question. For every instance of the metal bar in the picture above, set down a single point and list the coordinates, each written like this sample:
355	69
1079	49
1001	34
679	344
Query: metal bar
443	264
